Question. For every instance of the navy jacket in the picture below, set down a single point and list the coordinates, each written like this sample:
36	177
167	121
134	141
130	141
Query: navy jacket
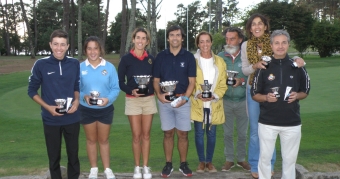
57	79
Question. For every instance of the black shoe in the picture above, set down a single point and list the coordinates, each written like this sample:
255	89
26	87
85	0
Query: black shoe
166	172
185	169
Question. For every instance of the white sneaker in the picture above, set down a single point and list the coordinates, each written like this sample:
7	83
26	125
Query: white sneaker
109	174
147	172
93	173
137	174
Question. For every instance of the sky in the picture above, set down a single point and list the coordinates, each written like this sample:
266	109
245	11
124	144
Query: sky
168	8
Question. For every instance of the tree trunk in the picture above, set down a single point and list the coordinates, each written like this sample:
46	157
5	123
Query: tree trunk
6	26
98	18
132	25
123	28
148	20
29	32
66	15
35	28
105	23
153	32
218	15
80	49
73	28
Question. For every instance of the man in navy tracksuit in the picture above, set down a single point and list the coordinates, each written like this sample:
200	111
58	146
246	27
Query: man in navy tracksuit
280	112
58	77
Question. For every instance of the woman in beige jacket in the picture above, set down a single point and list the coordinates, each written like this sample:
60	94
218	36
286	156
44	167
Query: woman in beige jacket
207	112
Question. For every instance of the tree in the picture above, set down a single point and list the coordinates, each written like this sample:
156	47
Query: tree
230	12
123	28
73	28
132	25
196	16
29	32
105	21
5	26
66	14
112	42
218	15
326	37
80	49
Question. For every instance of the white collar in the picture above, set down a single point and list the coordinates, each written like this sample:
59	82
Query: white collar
102	63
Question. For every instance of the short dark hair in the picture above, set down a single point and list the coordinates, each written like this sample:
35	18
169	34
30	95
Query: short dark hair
173	28
96	40
197	40
277	33
234	29
59	33
141	29
263	18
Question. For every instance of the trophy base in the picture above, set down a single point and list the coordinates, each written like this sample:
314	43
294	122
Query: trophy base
170	97
61	110
93	101
144	91
277	95
206	94
231	82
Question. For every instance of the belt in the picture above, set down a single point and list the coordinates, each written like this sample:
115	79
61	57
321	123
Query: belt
178	95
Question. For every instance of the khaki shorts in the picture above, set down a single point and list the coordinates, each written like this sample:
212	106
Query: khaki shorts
140	105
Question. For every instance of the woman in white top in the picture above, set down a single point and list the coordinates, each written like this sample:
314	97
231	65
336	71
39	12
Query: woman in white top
207	112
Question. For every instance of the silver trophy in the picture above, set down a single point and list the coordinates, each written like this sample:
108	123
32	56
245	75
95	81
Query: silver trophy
275	91
61	106
169	87
231	77
94	97
267	59
206	89
142	81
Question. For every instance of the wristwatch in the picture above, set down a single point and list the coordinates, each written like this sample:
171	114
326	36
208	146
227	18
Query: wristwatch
186	98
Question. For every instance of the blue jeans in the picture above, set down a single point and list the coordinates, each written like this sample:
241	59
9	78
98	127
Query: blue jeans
254	144
199	139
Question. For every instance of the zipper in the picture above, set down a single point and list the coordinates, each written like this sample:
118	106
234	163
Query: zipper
280	72
60	70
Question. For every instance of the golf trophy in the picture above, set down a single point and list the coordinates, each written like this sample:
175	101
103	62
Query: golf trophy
142	81
94	97
231	77
61	106
275	91
169	87
206	89
267	59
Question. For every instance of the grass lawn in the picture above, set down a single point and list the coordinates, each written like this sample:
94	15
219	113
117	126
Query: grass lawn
23	148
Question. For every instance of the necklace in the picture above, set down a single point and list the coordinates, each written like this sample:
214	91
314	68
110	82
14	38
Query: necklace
259	48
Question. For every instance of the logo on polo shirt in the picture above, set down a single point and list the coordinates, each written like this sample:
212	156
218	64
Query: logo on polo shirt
104	72
182	64
150	61
271	77
84	72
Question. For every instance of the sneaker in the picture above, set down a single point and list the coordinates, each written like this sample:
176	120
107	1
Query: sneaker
185	169
166	172
137	173
201	167
227	166
109	174
147	172
210	167
245	165
93	173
